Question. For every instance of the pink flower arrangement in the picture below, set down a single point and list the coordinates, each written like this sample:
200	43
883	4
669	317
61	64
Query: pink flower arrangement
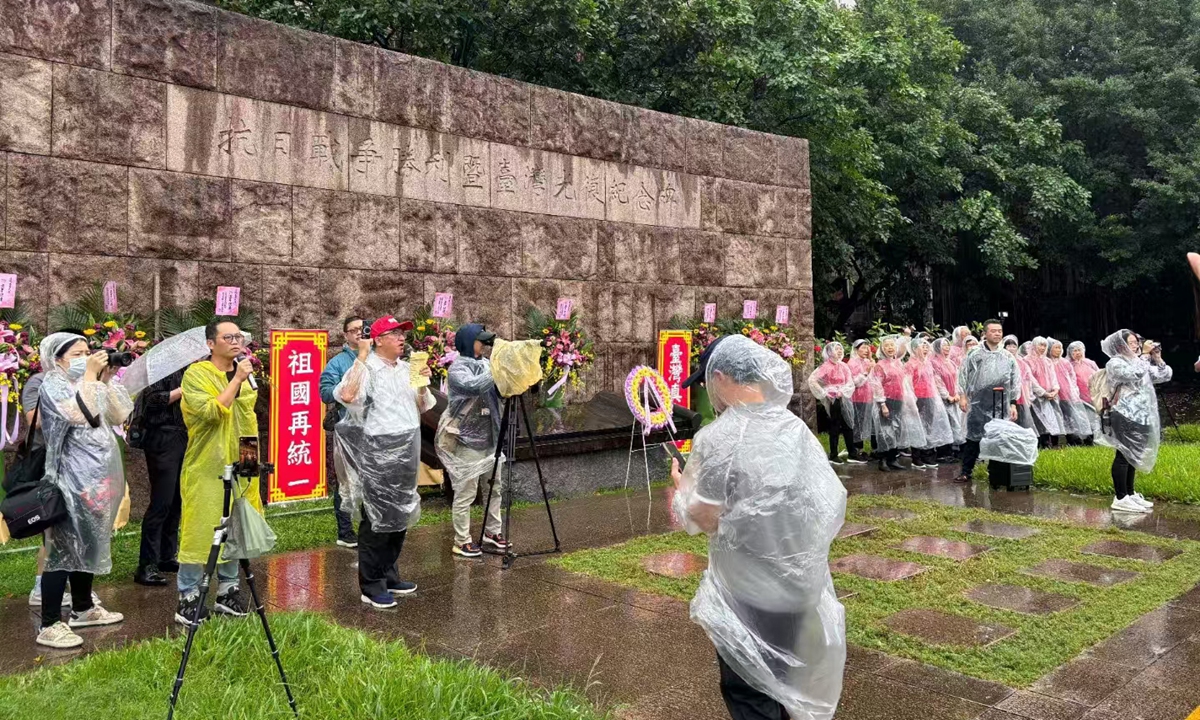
436	337
18	360
777	339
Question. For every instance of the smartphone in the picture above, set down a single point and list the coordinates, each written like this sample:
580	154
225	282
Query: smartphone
675	454
248	456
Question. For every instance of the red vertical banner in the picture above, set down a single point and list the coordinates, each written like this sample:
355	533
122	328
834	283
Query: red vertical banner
297	441
675	364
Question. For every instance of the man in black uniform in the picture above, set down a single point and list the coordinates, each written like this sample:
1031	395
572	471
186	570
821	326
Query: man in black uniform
165	445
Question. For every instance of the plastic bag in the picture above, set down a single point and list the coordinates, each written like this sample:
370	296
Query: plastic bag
249	534
516	366
1008	442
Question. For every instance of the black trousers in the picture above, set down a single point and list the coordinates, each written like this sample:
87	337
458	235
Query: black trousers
377	557
165	448
838	429
970	456
743	701
345	528
1122	475
53	586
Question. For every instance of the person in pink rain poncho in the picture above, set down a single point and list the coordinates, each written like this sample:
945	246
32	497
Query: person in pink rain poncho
1076	425
1084	369
945	377
958	344
1025	396
1047	415
934	421
861	364
897	420
832	384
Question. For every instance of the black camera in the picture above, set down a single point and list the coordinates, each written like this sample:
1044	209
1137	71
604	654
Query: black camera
117	359
366	331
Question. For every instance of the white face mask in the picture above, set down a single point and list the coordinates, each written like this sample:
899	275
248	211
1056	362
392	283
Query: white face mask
77	368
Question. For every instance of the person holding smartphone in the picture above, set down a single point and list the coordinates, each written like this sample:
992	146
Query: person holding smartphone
218	410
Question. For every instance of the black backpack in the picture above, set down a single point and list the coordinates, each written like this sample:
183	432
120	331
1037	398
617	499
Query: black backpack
135	426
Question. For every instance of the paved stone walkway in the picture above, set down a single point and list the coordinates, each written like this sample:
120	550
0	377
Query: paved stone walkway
640	652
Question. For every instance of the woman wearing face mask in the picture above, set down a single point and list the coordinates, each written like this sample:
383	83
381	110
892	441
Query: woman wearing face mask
861	365
1133	427
1047	416
1075	423
79	406
1025	396
945	377
897	420
832	384
1084	369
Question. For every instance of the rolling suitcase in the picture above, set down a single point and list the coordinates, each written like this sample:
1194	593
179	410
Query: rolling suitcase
1001	474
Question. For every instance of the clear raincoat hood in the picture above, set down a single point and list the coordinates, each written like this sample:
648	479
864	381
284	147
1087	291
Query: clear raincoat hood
983	371
1135	427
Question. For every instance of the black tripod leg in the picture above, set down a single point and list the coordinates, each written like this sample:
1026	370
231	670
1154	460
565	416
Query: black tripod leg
538	464
506	490
262	615
505	419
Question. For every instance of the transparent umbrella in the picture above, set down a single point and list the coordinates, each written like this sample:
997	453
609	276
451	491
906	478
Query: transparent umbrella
174	353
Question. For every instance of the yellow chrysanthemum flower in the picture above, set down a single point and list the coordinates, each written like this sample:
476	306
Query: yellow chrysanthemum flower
16	326
420	328
110	324
89	332
139	334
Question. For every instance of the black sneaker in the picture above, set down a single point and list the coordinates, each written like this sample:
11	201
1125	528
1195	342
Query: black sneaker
856	460
149	576
402	587
231	604
895	465
186	611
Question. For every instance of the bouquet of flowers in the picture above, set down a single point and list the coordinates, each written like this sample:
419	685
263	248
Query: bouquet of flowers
436	337
780	340
19	360
111	335
566	349
703	334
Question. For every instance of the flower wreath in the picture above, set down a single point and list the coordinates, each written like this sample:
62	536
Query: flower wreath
642	384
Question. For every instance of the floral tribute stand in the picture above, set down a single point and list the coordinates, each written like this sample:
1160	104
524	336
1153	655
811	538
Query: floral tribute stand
649	399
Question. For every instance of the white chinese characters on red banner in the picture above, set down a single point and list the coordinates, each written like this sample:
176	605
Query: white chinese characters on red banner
297	446
674	364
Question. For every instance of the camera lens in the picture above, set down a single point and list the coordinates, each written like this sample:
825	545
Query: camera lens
119	359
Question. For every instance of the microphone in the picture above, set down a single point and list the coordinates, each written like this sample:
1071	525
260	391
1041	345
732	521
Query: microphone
253	383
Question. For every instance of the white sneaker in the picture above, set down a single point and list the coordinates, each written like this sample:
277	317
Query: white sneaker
1128	504
59	636
35	596
96	615
1137	497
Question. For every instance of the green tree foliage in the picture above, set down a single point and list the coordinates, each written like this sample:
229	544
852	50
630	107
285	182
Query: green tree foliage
909	163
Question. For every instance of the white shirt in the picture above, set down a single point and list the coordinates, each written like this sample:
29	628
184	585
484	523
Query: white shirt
393	399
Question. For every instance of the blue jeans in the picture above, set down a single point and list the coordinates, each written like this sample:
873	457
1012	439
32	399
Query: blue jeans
188	579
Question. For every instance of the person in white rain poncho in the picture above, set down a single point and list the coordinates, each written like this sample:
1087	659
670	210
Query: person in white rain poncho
1084	369
958	344
1133	425
1047	415
832	384
380	442
945	376
78	407
467	435
861	365
1076	425
934	421
758	484
1025	393
897	420
983	371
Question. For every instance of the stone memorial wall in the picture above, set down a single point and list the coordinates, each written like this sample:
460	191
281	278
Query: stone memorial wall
173	147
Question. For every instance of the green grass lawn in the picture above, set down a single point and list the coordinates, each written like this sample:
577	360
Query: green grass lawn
1041	643
1087	470
335	672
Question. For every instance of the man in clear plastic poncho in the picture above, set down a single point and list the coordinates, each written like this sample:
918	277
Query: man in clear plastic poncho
983	371
759	485
467	434
1133	426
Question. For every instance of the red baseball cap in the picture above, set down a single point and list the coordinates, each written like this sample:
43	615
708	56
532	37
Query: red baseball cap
387	324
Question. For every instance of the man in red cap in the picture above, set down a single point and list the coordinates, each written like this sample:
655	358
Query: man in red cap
380	443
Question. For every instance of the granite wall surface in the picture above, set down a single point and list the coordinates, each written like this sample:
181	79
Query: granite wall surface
168	142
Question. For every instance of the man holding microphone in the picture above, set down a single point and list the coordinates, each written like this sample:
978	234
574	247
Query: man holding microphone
379	443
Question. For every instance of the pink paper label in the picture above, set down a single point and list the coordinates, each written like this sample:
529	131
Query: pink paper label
710	312
110	296
749	309
443	305
782	314
229	299
8	291
564	309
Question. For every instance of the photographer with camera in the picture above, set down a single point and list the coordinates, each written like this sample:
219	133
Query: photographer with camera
335	370
467	435
379	456
218	410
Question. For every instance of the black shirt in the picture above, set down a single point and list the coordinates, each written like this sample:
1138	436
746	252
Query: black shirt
160	412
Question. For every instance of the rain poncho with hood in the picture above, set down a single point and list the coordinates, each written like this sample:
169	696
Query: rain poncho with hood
863	397
469	429
958	345
934	419
982	372
1134	423
1047	416
902	427
380	444
214	433
1084	369
834	381
1025	393
82	461
945	376
767	599
1075	418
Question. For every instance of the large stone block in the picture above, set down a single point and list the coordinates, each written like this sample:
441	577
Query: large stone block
292	297
486	300
210	275
656	140
173	215
67	206
429	235
563	248
166	40
3	194
70	275
376	155
749	155
334	229
69	31
33	286
577	186
520	179
229	136
412	91
637	254
544	295
445	168
486	106
262	222
550	120
794	212
702	257
633	313
598	128
624	357
744	208
266	61
652	197
704	147
490	244
791	162
799	264
108	118
355	78
368	293
25	86
756	262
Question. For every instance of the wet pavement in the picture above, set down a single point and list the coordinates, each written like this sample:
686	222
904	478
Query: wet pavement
641	654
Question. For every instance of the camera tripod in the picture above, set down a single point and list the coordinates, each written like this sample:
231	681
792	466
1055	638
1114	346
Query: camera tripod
220	534
509	425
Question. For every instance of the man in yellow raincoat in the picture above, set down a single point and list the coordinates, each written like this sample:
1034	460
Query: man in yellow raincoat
218	409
